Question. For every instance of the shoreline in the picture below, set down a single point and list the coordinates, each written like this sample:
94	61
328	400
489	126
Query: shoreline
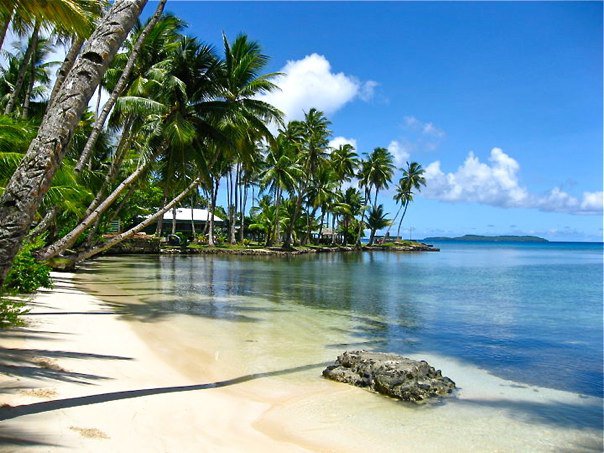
79	377
275	251
85	376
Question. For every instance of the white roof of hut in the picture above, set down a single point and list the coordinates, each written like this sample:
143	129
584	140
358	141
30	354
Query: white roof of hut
184	214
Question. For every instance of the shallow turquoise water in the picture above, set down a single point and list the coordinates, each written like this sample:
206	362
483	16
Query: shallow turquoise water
530	313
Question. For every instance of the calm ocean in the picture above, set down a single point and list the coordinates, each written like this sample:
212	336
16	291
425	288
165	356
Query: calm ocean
530	313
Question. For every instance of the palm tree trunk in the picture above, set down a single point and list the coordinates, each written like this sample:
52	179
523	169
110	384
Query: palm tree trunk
117	90
321	225
398	231
120	154
97	108
193	217
393	220
160	222
44	223
242	222
30	182
174	220
70	238
371	237
32	77
4	28
14	96
204	231
272	237
216	183
333	229
66	66
287	243
132	231
233	212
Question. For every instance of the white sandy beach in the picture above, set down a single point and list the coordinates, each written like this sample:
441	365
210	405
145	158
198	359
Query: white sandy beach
79	377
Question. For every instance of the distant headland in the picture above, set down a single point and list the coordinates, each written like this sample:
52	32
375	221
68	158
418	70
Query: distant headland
479	238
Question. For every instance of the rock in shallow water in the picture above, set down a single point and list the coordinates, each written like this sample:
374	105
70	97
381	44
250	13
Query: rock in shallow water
390	374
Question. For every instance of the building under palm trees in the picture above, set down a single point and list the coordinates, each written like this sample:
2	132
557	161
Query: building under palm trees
190	222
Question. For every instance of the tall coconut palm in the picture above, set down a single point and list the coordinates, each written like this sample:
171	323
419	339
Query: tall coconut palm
311	138
413	178
169	127
320	193
150	45
344	161
377	171
241	82
31	180
281	174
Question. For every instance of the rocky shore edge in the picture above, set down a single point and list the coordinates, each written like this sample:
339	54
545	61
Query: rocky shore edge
274	251
392	375
144	244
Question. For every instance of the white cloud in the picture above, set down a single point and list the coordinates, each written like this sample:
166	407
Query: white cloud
428	129
400	152
593	202
310	82
367	90
336	142
497	184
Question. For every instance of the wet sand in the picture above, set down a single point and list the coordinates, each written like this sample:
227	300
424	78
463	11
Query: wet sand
87	375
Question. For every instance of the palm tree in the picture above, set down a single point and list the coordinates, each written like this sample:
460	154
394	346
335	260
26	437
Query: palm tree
320	193
311	138
378	170
156	48
70	15
170	120
413	178
344	161
241	82
376	221
349	205
281	174
31	180
25	64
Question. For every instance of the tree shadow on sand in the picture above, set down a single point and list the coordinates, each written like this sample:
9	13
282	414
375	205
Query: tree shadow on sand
41	364
7	413
13	437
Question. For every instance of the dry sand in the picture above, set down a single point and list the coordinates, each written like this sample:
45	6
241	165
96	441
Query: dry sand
78	377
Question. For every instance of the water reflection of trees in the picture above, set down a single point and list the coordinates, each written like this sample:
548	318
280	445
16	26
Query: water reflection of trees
355	285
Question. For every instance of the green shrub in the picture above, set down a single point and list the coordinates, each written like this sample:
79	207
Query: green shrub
27	274
184	241
11	312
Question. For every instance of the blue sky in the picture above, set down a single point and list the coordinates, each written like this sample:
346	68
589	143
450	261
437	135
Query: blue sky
500	102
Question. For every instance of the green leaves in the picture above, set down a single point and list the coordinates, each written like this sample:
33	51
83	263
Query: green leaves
70	16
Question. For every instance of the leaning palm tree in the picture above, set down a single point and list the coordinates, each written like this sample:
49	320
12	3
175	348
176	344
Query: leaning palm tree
30	182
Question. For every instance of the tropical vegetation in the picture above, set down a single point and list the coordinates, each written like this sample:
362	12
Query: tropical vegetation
183	125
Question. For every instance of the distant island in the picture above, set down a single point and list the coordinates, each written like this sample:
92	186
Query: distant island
479	238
